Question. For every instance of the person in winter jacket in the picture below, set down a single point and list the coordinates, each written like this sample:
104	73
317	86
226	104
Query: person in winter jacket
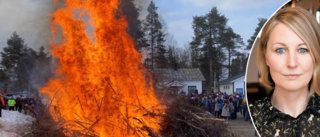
11	104
1	104
18	104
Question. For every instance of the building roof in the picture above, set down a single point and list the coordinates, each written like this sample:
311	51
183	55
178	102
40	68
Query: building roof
231	79
175	84
180	74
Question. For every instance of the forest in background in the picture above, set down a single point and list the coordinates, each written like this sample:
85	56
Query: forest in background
215	48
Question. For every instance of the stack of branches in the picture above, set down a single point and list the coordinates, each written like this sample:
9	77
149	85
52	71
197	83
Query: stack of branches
44	125
184	119
180	119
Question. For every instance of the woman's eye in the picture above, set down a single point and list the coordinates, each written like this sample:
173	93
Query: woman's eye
280	50
303	50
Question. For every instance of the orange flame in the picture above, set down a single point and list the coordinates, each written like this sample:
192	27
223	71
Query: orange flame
100	84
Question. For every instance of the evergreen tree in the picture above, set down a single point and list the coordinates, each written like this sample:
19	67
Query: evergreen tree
23	68
172	57
154	38
11	60
34	69
230	41
238	64
212	41
195	55
42	71
178	57
184	58
206	45
250	41
3	76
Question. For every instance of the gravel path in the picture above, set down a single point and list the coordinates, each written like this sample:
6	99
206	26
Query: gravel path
243	128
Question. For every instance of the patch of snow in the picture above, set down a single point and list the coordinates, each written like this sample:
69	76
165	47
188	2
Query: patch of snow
14	124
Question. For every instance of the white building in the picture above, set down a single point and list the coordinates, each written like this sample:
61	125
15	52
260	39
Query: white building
233	84
180	79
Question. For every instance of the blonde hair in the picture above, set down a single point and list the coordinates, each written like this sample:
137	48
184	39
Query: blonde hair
304	24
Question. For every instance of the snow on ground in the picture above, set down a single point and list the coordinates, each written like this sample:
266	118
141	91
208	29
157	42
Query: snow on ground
14	124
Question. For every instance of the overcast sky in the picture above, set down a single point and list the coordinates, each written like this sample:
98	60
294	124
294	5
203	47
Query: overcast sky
30	18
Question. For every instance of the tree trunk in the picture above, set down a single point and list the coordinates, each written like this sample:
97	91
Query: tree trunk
152	47
211	75
229	75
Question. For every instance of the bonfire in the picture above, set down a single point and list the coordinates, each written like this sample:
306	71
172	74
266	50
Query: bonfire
100	88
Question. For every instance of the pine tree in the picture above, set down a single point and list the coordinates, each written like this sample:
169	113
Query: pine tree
172	56
42	71
154	38
160	58
238	64
231	41
250	41
24	68
206	44
212	39
184	57
11	60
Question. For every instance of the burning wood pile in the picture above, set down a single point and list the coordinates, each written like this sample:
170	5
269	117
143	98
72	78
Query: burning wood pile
180	119
100	87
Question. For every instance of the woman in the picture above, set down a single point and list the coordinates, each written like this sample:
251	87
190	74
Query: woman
226	110
288	61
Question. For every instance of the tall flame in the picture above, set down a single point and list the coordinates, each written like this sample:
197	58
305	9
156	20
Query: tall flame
100	85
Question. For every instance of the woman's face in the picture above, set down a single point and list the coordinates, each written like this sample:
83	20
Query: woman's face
289	59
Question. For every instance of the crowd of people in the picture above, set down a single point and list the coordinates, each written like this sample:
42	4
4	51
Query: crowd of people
221	105
18	103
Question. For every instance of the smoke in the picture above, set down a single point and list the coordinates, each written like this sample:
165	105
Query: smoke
143	6
29	18
40	73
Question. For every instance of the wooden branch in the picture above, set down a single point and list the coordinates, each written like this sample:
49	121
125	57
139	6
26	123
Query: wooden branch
80	123
32	110
52	99
190	124
141	132
127	118
101	102
95	99
84	122
80	104
91	127
135	89
125	102
116	126
85	97
202	118
110	86
84	117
